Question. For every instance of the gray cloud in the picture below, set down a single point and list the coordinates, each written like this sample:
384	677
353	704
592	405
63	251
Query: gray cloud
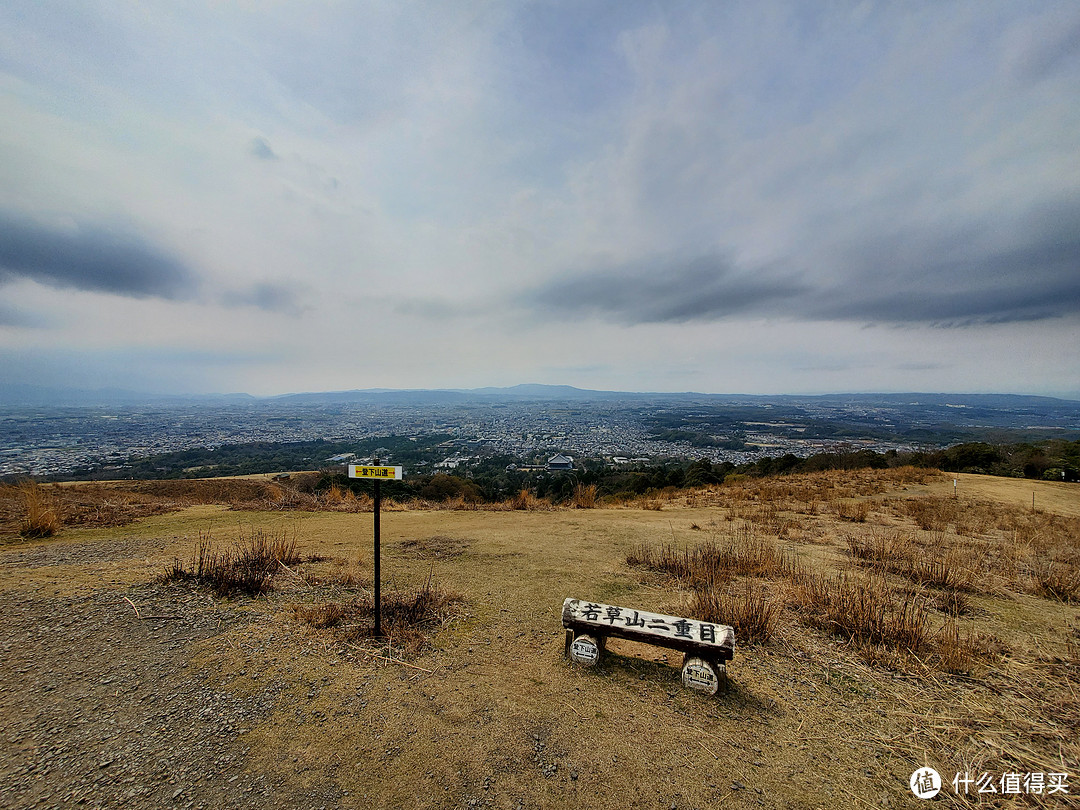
1024	269
90	258
261	148
1027	269
668	289
1053	43
267	296
16	317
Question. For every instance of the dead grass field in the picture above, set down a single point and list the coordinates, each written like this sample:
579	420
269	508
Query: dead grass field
483	711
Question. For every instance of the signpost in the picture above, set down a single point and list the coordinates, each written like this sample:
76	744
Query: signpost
377	474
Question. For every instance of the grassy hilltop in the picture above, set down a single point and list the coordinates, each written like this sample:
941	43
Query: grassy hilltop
885	621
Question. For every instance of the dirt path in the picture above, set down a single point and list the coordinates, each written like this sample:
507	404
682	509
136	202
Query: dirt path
103	709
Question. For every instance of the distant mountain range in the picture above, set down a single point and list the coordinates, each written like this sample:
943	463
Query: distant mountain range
32	395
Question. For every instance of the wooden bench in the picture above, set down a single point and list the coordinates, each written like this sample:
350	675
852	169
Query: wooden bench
706	647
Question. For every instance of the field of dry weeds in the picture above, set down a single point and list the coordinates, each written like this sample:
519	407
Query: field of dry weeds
886	621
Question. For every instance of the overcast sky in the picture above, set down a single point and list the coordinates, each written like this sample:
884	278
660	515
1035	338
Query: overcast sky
655	196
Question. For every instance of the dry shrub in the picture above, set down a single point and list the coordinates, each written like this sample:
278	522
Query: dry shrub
247	566
867	612
856	511
42	512
751	611
1056	579
526	501
584	496
407	615
740	552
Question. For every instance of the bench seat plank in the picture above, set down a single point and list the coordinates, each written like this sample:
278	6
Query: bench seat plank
711	641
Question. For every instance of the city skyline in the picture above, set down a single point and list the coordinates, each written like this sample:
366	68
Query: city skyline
772	199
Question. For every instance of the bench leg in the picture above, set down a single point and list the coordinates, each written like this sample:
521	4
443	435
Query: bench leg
585	648
701	675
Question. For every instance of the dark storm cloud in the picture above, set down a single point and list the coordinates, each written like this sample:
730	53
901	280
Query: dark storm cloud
668	290
90	258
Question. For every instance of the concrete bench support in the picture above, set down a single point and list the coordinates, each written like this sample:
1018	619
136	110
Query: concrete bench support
706	647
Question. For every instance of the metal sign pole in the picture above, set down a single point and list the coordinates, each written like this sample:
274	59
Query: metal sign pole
378	578
376	473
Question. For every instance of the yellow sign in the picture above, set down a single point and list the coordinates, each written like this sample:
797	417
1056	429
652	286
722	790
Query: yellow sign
381	473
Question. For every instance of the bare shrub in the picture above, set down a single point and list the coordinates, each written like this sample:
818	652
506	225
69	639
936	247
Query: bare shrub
741	552
867	612
248	566
42	512
584	496
407	615
751	611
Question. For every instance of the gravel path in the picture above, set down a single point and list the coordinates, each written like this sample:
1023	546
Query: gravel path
101	708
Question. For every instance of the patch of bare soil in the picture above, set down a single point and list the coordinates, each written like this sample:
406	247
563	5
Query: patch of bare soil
435	547
103	708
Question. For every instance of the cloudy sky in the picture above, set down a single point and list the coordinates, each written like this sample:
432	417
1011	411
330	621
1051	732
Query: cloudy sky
653	196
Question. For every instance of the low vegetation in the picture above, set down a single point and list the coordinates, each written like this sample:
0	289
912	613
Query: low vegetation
408	616
247	566
42	512
882	622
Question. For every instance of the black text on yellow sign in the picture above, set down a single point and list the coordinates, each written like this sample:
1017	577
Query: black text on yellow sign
378	473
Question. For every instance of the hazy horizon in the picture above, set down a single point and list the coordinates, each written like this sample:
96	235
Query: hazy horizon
780	198
88	393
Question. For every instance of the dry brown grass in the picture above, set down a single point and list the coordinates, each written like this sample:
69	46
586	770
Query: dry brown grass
751	610
247	566
819	714
69	506
526	501
41	511
436	547
408	616
867	612
739	551
855	511
584	496
932	564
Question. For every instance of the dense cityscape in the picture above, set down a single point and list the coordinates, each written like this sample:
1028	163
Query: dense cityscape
55	440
